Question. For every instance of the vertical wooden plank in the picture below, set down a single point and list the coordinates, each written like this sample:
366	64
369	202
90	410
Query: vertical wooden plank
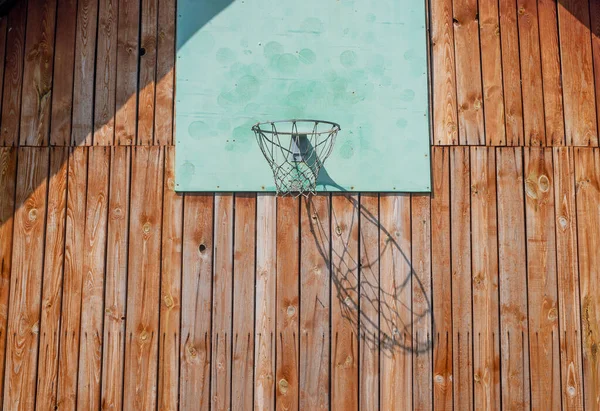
484	266
568	280
577	73
72	279
26	279
116	279
196	302
551	75
37	72
8	180
491	73
395	316
170	289
47	375
106	71
147	74
143	285
513	284
3	46
165	73
441	280
369	302
315	281
462	315
288	260
531	73
264	375
127	71
468	72
587	177
511	73
222	307
83	75
62	83
344	302
594	10
242	361
13	75
541	277
444	82
421	301
90	347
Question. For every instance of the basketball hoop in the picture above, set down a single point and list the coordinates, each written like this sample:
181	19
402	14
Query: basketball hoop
296	151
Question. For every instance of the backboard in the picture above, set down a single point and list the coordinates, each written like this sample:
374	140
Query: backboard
361	64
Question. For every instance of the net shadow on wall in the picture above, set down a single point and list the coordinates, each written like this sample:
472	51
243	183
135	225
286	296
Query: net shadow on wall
394	329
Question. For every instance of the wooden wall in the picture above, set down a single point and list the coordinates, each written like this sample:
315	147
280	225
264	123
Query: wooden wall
117	293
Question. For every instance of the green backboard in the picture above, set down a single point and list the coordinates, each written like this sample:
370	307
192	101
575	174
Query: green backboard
362	64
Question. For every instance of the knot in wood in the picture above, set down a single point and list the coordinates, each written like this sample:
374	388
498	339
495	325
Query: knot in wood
168	301
562	222
291	310
146	228
552	314
283	386
32	214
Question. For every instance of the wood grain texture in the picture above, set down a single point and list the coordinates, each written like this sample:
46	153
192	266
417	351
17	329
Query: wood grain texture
13	75
569	309
587	179
266	271
196	302
422	309
491	73
68	361
442	280
594	10
242	360
92	294
531	73
462	315
315	282
143	283
37	73
47	374
113	361
369	302
344	302
468	72
444	74
484	269
3	35
170	289
551	73
147	72
165	73
194	360
577	73
8	180
395	313
62	82
222	302
541	280
26	279
511	73
106	72
287	309
82	127
127	71
513	283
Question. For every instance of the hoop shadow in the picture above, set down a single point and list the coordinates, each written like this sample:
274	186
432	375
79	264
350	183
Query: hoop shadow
354	291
